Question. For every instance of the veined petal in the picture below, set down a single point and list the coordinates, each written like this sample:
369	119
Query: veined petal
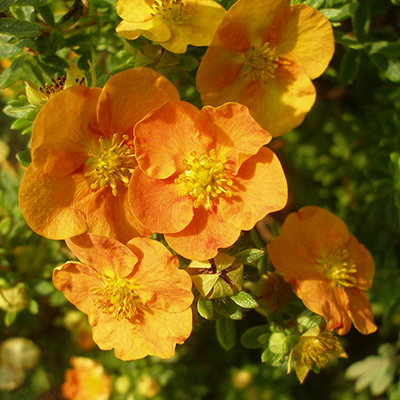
54	207
60	144
128	96
156	272
202	238
152	29
282	103
360	311
135	10
110	215
74	279
264	191
235	135
332	303
157	204
105	255
364	263
307	40
161	331
172	125
316	228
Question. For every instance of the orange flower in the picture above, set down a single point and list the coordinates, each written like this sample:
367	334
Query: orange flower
87	380
137	299
172	23
83	157
264	55
329	269
212	178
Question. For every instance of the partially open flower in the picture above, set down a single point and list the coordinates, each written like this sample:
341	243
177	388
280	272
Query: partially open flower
328	268
313	351
219	277
137	299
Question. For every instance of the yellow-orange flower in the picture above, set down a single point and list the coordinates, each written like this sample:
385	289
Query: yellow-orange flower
313	351
264	55
137	299
83	157
329	269
211	179
86	380
172	23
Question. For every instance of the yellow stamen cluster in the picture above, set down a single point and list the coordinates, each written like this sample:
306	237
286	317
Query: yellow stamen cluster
204	179
339	267
118	297
260	63
113	162
170	11
318	350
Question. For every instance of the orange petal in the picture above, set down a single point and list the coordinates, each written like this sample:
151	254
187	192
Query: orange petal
105	255
157	204
264	191
364	263
152	29
161	331
109	333
236	136
74	280
171	125
110	215
282	103
332	303
317	229
157	272
307	40
129	95
202	238
65	130
360	311
54	207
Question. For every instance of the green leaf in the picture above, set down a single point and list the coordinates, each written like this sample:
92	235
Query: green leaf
361	20
47	15
249	339
226	333
383	377
46	46
24	158
228	308
35	3
385	48
346	40
4	4
12	73
9	50
340	14
20	124
388	66
315	3
349	66
249	256
205	308
244	300
33	307
10	318
188	63
18	28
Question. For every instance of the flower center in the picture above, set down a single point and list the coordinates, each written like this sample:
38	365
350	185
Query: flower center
112	162
118	297
170	11
204	179
50	90
339	267
319	350
260	63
